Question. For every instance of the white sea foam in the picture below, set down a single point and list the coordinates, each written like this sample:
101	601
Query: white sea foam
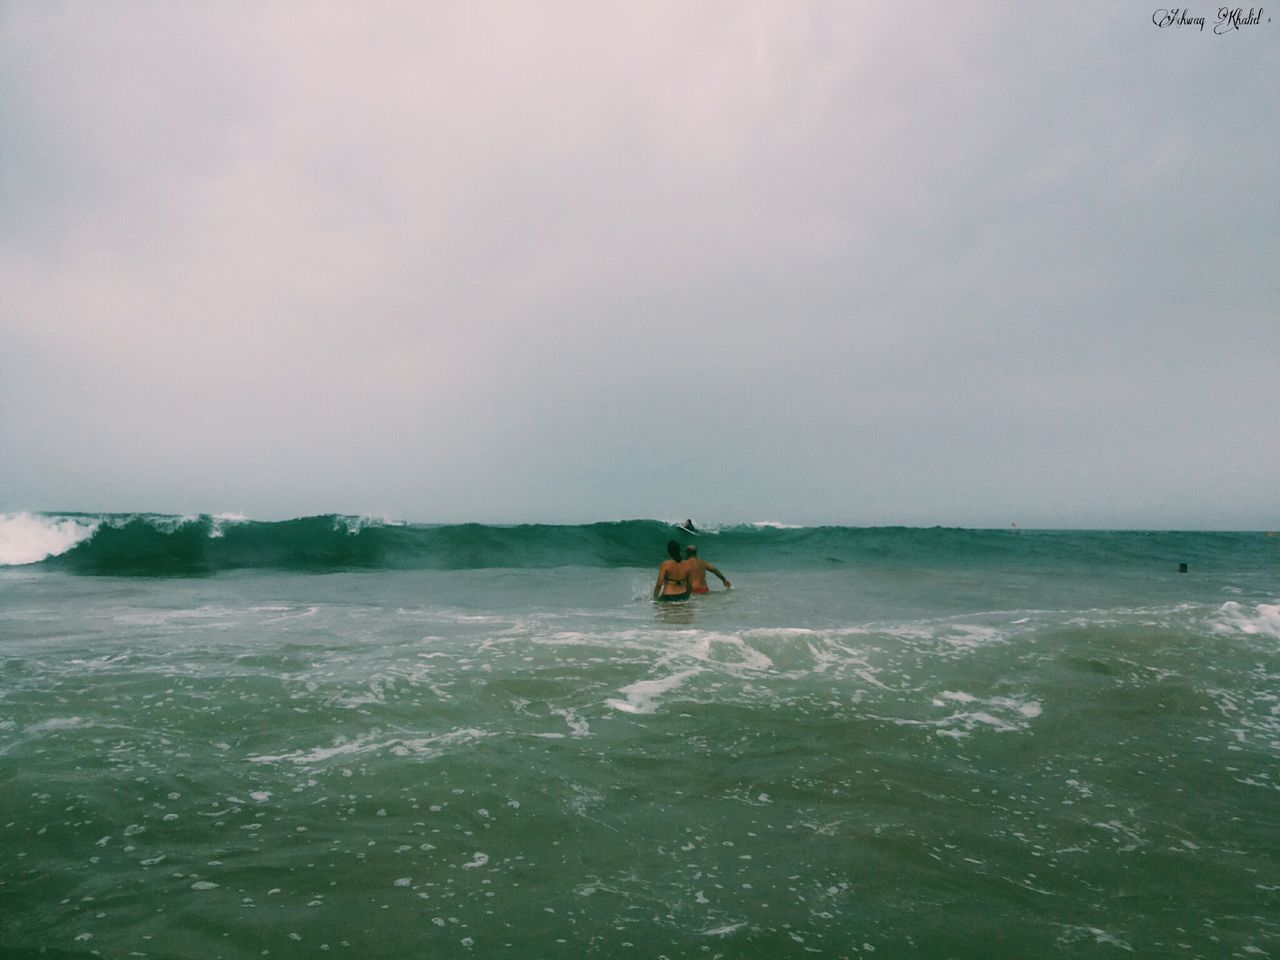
163	523
758	632
724	930
309	612
419	746
642	696
1002	714
578	726
354	524
1233	617
27	538
56	723
972	635
221	520
723	649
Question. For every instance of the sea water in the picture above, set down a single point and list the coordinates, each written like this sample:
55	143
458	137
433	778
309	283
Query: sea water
343	737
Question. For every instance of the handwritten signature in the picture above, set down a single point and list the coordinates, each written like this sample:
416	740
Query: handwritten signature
1229	19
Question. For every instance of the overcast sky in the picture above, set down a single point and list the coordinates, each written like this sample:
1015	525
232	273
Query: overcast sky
830	262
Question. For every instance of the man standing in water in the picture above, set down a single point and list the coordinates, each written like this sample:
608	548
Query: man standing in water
698	571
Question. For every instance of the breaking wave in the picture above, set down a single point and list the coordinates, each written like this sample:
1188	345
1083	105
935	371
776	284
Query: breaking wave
185	546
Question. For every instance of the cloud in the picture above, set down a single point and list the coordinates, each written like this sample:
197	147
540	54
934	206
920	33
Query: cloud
537	263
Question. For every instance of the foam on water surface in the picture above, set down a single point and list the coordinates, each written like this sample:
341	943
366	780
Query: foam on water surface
1263	619
643	696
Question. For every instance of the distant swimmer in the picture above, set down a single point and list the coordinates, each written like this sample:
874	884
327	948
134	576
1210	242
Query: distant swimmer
698	571
673	576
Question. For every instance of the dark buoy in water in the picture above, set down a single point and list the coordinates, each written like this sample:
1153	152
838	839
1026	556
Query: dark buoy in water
1182	568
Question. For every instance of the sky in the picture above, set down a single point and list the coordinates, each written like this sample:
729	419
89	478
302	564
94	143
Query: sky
842	262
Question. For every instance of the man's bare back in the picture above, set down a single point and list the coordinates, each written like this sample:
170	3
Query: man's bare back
698	571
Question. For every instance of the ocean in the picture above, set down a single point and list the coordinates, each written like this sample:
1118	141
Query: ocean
343	736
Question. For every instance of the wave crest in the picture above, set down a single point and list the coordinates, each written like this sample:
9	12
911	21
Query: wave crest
29	538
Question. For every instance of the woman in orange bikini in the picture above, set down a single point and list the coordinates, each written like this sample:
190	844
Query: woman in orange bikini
673	577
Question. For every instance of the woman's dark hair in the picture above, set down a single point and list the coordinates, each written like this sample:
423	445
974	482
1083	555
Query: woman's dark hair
673	549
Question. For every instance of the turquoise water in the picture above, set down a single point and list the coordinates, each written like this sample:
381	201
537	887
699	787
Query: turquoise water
337	736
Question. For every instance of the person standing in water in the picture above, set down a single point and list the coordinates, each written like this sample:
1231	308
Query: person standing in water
698	571
673	576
